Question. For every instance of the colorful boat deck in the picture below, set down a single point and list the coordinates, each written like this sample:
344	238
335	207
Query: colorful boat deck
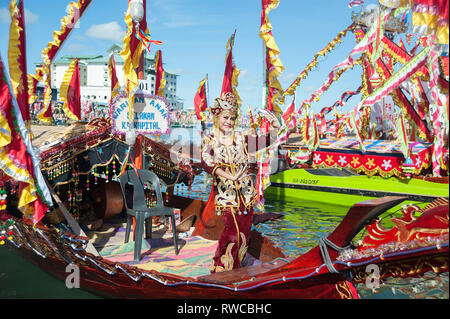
158	253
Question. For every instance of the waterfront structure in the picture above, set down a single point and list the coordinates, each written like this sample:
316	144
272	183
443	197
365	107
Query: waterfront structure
95	84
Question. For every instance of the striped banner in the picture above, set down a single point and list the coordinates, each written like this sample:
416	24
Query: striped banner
395	80
354	3
435	110
402	135
313	64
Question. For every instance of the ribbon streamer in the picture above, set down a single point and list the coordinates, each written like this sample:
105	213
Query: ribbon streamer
144	38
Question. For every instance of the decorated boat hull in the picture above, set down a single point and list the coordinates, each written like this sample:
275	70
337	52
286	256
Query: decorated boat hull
323	272
339	168
343	186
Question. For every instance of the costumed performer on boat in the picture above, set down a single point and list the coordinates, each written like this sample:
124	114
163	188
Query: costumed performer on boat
225	156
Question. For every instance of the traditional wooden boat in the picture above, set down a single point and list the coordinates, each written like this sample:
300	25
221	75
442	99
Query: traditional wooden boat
78	164
394	143
338	168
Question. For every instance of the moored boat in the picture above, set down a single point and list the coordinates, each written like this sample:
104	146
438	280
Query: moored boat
106	263
86	230
323	272
339	169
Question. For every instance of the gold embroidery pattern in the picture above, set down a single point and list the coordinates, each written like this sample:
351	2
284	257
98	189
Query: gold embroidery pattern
226	193
411	267
229	158
227	259
343	290
243	248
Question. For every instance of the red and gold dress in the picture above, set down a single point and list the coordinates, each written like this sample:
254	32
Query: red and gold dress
234	200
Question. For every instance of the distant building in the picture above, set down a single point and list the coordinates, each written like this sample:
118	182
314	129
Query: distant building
95	83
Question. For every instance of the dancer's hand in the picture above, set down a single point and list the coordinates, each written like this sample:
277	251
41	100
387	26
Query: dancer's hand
239	174
229	176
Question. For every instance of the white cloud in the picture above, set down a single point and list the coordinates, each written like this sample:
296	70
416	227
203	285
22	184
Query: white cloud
30	17
243	73
4	15
76	47
175	14
310	89
289	77
107	31
249	89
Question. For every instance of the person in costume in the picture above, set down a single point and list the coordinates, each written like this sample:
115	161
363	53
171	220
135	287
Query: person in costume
225	156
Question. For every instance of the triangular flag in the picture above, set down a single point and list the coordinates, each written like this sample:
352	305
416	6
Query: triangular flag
289	112
160	81
70	91
115	86
17	58
46	113
231	74
402	135
201	99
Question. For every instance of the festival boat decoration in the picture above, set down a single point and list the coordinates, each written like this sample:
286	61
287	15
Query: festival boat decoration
323	272
79	166
367	140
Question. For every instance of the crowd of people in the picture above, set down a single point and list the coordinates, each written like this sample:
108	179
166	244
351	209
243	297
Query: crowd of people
89	110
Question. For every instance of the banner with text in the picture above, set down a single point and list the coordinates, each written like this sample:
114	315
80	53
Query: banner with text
151	114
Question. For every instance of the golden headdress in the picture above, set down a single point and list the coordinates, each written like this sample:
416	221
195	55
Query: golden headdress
226	103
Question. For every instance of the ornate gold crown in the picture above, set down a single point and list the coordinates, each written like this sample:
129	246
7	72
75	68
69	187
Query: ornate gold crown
227	103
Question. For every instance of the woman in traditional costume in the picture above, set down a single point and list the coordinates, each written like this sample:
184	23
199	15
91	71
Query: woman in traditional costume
225	156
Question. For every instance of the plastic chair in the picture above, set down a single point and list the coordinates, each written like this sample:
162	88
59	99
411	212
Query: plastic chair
134	197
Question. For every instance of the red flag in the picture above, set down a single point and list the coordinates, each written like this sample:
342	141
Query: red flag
413	134
113	76
273	66
114	81
46	112
17	58
70	91
136	46
323	125
227	83
160	81
201	99
15	156
287	115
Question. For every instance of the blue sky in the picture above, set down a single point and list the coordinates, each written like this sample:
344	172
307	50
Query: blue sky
194	35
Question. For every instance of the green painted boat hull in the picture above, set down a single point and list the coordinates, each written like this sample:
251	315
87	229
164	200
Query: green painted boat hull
339	187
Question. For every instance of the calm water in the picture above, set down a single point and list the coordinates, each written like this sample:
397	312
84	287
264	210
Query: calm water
296	232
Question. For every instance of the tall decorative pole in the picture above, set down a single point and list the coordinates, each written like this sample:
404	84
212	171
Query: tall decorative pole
136	12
